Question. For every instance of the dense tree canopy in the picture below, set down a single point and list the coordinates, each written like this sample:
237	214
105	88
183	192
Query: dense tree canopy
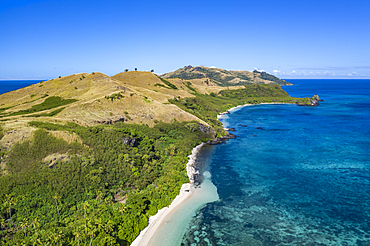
102	191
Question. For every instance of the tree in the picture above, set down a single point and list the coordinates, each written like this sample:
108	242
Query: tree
56	235
77	235
35	224
10	200
92	233
56	197
152	71
86	205
23	225
2	224
126	70
99	196
135	68
99	223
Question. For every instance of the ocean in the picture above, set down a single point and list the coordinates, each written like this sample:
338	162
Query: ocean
11	85
303	179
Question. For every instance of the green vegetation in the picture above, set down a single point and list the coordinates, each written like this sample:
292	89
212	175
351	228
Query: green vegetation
168	83
261	90
219	76
162	85
146	99
43	96
188	84
49	103
206	107
2	151
3	109
115	96
52	113
266	76
222	77
103	193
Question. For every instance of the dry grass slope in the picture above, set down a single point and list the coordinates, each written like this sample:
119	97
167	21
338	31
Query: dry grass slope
131	97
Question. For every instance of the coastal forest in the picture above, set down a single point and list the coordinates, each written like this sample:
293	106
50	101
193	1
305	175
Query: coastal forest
87	159
105	188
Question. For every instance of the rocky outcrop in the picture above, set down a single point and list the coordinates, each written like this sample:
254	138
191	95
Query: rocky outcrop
230	129
55	158
221	139
204	129
226	112
110	121
129	141
314	101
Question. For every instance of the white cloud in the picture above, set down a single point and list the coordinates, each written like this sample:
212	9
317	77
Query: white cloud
212	67
259	70
315	73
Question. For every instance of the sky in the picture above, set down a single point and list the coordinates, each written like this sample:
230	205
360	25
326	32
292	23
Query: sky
44	39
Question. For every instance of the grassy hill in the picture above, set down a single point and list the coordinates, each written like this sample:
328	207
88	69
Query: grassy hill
132	97
224	77
90	99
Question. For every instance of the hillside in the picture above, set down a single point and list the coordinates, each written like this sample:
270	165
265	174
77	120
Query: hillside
224	77
91	99
132	97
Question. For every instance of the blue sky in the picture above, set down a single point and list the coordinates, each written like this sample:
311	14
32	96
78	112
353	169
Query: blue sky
43	39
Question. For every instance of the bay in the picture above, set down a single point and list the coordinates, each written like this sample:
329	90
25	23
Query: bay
303	179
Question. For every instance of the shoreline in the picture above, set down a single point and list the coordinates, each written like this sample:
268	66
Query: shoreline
221	115
187	191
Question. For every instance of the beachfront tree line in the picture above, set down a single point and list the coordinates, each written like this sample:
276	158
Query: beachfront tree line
101	191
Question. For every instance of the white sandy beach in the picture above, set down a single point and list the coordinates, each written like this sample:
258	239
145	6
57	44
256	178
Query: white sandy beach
233	109
168	226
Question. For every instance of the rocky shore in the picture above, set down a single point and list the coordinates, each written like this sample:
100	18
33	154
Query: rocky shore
314	101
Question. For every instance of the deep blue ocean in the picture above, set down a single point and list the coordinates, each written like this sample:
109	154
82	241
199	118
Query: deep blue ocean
11	85
304	179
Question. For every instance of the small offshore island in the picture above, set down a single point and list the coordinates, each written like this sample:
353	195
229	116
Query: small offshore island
89	158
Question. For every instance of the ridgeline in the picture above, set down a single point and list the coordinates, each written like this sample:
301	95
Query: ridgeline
224	77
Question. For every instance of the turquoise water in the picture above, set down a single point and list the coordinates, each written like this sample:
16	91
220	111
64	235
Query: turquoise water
304	179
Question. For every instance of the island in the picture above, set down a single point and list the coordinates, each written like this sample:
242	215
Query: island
89	158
